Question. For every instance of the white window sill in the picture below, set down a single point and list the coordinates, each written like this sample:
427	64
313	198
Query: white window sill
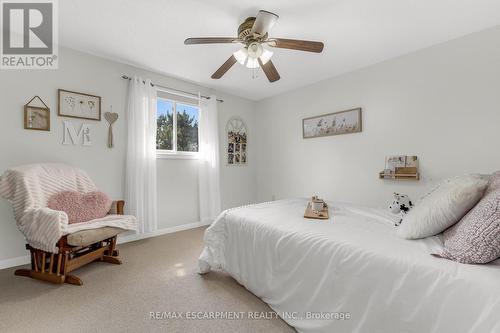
176	155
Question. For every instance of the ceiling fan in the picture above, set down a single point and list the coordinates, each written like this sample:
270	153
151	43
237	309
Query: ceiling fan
253	34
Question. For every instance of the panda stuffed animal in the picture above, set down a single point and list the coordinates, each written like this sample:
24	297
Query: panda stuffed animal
400	205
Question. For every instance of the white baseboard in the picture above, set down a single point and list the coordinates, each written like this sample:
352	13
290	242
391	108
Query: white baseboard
159	232
18	261
12	262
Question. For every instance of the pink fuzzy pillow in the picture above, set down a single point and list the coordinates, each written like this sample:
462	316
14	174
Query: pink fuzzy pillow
81	207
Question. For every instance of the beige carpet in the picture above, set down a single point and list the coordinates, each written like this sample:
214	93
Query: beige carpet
158	275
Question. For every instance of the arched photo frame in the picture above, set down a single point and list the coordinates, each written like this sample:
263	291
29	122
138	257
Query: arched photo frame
236	142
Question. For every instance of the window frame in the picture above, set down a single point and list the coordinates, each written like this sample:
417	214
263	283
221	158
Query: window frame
174	153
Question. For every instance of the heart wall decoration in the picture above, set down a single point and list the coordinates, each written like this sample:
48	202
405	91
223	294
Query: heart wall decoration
111	117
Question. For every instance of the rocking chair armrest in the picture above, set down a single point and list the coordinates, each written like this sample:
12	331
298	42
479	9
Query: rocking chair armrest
117	207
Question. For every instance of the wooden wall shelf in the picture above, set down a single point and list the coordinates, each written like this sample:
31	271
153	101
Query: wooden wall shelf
409	173
409	176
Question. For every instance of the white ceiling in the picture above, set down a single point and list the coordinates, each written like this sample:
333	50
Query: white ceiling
356	33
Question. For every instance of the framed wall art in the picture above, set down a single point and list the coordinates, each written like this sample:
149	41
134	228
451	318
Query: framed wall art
343	122
36	116
237	142
78	105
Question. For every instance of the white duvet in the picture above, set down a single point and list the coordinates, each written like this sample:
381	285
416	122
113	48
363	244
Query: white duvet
313	273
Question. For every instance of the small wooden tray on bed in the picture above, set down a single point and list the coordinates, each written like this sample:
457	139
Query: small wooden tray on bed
310	214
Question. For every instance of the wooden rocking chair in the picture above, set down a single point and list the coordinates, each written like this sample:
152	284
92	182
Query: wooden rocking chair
29	188
75	250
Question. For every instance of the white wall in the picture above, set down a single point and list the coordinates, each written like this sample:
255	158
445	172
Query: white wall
441	103
238	183
177	179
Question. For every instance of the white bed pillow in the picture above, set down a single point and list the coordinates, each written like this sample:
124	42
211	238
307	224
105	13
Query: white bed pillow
443	207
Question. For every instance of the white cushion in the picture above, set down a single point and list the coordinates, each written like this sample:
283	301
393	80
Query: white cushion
443	207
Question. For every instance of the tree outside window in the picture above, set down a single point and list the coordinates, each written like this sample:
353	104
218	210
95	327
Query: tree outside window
177	126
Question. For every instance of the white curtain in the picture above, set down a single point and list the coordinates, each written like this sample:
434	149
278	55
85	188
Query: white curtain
140	181
209	173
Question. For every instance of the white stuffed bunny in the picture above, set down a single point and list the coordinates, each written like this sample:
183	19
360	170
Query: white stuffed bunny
401	205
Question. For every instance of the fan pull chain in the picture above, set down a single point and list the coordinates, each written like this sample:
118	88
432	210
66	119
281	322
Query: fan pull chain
254	73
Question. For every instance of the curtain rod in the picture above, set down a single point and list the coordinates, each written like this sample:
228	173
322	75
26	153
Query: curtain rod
175	90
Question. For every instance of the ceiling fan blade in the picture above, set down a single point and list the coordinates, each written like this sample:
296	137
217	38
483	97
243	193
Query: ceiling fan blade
296	44
224	68
264	22
270	71
211	40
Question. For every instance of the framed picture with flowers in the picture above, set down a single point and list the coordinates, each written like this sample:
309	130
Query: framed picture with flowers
78	105
343	122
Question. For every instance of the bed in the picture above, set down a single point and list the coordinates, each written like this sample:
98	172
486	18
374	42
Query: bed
350	273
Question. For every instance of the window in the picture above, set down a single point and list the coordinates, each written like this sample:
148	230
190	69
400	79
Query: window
177	128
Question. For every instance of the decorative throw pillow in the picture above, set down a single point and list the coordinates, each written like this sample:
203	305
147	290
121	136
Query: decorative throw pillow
442	207
81	207
494	183
476	238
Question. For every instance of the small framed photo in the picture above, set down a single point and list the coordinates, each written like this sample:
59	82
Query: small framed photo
412	161
78	105
36	118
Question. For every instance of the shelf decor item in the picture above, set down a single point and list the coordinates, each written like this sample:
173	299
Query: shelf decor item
237	141
78	105
36	117
343	122
401	167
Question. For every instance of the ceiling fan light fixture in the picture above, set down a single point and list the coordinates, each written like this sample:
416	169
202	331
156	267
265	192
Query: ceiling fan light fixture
255	50
253	33
252	63
266	56
241	55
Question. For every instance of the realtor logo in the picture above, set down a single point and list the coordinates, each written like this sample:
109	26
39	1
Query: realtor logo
29	34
